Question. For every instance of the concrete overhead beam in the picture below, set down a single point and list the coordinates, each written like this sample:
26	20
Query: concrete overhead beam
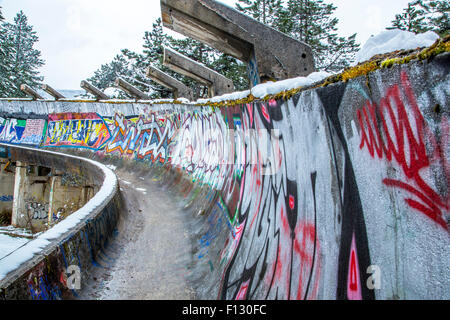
217	84
94	91
130	89
55	94
27	89
178	88
269	53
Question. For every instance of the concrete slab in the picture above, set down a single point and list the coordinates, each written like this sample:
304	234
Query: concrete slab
269	53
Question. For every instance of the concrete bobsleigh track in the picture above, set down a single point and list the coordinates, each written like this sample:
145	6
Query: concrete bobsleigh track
334	191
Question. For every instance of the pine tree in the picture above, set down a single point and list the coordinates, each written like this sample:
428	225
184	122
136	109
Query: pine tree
262	10
20	60
424	15
133	65
108	73
412	19
438	16
312	22
6	86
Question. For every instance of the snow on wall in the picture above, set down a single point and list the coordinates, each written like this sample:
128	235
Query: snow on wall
38	268
340	192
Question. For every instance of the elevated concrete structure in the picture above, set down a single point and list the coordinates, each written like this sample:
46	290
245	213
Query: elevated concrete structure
42	194
178	88
269	54
278	191
130	89
217	84
41	268
96	92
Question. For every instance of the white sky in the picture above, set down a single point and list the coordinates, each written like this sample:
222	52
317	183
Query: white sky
77	36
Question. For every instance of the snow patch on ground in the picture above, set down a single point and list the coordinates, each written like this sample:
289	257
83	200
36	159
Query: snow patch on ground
393	40
9	244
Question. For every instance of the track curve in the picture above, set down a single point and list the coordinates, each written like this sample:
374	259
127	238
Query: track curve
148	257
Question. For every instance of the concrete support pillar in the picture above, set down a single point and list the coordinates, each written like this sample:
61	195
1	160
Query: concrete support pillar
19	211
269	53
55	94
51	198
94	90
6	188
130	89
217	84
177	87
29	91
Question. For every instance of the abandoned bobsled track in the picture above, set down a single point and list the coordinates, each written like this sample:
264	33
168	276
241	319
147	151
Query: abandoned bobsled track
150	254
351	200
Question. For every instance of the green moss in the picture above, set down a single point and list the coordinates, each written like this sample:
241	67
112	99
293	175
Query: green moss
360	70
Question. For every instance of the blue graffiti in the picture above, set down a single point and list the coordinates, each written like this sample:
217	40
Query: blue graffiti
6	198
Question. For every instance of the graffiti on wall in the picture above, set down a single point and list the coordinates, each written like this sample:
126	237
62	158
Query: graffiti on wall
402	138
304	230
141	137
8	198
18	131
277	213
37	210
82	130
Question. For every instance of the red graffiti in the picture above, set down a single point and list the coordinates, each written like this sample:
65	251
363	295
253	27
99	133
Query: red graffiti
301	257
291	202
353	283
242	294
404	141
265	112
353	279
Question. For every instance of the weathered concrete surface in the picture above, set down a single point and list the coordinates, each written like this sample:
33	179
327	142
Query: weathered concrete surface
217	84
177	87
150	255
30	92
269	53
55	94
356	206
130	89
45	275
94	90
6	187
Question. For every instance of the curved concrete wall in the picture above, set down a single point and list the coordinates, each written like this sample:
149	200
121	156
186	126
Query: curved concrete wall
41	268
339	192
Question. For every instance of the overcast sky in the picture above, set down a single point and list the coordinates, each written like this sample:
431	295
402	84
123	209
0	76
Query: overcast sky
77	36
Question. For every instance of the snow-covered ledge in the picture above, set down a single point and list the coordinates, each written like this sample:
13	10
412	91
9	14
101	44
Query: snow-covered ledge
29	255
